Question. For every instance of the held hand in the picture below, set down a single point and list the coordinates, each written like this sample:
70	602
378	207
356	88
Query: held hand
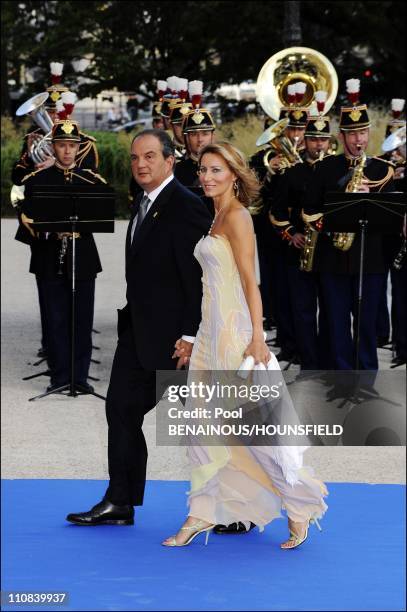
26	222
48	161
298	240
399	173
183	350
259	350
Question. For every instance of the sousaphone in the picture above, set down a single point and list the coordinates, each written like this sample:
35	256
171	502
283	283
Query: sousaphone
290	66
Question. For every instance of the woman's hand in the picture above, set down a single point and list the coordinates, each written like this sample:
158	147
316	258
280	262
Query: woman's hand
259	350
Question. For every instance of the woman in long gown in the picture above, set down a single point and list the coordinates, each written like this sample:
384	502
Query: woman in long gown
237	483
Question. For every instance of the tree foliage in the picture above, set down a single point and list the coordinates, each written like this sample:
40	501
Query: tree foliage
132	43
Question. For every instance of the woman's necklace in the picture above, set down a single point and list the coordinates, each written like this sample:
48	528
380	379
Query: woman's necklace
217	213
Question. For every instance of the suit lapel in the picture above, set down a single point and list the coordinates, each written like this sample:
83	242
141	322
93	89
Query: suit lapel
134	212
152	217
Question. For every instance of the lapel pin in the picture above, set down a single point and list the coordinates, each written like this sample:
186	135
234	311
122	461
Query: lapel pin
155	214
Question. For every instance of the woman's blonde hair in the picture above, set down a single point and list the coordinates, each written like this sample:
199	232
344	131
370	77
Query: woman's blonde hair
247	185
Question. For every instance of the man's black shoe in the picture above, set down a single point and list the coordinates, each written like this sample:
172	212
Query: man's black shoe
233	528
55	386
286	356
382	341
397	361
86	387
104	513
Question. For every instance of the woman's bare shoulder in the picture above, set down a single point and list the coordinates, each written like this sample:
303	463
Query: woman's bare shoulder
237	220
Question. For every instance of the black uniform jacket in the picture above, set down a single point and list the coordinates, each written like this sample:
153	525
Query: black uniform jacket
288	202
45	250
87	157
333	174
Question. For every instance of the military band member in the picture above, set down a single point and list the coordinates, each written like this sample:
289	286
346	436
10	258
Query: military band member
179	108
59	101
59	96
396	246
303	283
278	250
51	254
337	257
198	128
396	156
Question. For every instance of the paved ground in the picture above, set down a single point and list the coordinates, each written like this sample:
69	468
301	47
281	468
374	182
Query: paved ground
59	437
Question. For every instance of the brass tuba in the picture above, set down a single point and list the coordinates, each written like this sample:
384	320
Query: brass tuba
282	69
42	148
290	66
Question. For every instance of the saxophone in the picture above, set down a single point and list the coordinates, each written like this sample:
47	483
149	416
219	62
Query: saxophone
344	240
311	237
308	250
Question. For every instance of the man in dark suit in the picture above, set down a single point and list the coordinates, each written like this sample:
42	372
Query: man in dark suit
167	222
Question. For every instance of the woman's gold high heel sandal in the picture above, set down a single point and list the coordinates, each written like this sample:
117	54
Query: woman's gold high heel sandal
199	529
295	540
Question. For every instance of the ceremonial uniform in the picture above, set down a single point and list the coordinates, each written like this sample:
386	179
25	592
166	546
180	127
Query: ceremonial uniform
304	291
87	157
193	120
339	269
276	258
53	272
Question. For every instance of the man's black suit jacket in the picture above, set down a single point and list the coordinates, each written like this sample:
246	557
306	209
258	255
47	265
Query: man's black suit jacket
164	290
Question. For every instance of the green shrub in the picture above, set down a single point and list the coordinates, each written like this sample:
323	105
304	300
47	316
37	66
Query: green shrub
114	164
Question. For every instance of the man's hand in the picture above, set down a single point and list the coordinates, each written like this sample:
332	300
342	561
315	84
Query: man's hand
276	162
48	161
183	350
364	187
26	222
31	139
298	240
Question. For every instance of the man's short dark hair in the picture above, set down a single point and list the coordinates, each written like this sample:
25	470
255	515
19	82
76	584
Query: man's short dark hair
167	145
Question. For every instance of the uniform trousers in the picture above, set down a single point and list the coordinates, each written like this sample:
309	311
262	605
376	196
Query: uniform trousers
399	310
281	301
57	302
340	293
44	339
310	323
383	320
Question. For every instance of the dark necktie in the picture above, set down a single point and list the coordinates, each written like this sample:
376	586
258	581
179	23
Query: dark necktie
141	214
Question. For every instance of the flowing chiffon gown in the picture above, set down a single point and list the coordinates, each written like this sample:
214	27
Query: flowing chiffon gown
240	483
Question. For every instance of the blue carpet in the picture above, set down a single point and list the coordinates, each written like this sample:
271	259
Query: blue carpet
357	563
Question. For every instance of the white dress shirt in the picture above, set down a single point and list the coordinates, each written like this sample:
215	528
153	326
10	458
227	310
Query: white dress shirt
152	196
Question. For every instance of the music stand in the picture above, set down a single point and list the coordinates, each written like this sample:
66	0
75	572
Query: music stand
71	208
380	213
